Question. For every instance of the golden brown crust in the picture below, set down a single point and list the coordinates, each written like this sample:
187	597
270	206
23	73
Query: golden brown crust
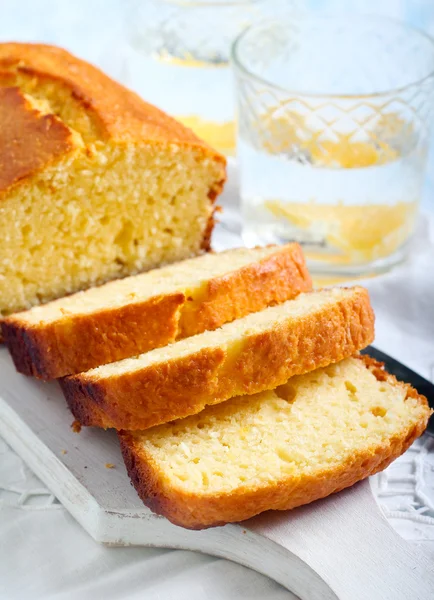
29	140
119	114
273	280
200	511
184	386
78	343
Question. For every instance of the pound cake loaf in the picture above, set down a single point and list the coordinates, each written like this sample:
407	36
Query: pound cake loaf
95	183
129	316
255	353
315	435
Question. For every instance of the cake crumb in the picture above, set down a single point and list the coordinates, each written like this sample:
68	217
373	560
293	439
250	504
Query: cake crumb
109	466
76	426
64	451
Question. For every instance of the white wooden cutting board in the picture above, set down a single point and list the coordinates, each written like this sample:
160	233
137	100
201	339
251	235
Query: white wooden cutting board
338	548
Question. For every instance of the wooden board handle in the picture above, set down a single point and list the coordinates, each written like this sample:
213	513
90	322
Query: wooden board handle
351	546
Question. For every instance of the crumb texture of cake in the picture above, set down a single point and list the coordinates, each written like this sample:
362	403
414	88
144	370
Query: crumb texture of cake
258	352
130	316
315	435
95	183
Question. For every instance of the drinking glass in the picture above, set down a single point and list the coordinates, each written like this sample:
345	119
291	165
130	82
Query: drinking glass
180	59
334	116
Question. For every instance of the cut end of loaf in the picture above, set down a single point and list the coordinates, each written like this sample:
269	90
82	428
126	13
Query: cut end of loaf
97	183
94	217
317	434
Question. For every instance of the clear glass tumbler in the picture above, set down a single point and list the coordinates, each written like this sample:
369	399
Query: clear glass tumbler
180	59
334	117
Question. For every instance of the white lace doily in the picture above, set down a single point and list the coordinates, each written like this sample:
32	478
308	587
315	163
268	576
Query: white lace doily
405	491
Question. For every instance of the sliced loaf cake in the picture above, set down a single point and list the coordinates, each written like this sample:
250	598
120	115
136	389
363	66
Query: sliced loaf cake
313	436
129	316
255	353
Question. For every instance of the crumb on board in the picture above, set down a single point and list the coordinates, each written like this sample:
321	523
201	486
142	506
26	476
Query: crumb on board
64	451
244	531
76	426
109	466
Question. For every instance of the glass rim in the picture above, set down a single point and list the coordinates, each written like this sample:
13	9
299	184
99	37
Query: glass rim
238	63
209	3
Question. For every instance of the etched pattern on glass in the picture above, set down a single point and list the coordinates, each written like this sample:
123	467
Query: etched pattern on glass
332	144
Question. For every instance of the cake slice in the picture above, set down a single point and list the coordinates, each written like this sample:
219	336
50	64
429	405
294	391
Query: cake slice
255	353
132	315
95	184
313	436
